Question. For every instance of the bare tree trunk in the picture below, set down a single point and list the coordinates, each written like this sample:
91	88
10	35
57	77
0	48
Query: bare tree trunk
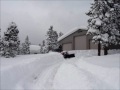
99	48
105	50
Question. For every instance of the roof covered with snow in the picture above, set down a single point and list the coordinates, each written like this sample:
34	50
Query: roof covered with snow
72	31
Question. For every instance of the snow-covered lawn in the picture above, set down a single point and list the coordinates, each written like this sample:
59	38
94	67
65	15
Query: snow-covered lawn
52	71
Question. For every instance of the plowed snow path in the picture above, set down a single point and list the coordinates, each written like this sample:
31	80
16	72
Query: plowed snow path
22	72
65	75
78	77
69	74
46	79
42	80
89	73
52	71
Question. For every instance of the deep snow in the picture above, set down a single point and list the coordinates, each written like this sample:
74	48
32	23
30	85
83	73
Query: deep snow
89	73
52	71
15	71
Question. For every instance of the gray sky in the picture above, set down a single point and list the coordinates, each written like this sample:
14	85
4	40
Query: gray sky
34	17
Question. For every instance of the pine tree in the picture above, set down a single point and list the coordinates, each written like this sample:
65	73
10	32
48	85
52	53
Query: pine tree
0	35
52	38
19	50
60	34
11	41
104	23
26	46
42	45
0	43
43	48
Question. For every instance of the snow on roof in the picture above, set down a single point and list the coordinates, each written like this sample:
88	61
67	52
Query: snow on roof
72	31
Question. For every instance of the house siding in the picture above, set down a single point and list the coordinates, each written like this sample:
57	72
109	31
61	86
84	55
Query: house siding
80	42
67	46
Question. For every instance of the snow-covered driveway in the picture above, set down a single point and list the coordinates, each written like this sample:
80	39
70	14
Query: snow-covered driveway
52	71
23	71
87	73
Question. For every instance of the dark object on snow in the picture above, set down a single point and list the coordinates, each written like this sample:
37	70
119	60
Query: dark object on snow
59	49
67	55
35	53
99	48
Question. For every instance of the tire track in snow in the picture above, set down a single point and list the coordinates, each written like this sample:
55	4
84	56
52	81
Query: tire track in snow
42	70
49	83
46	78
96	83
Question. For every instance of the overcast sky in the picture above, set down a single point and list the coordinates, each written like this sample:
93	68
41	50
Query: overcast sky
34	17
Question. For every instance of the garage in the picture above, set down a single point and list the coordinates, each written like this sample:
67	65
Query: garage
80	42
77	39
67	46
93	45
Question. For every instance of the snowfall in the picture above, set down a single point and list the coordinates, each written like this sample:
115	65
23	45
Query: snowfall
52	71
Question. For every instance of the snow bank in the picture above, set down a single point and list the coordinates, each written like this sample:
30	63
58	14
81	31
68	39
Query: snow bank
13	74
95	73
89	53
105	69
52	71
84	53
34	49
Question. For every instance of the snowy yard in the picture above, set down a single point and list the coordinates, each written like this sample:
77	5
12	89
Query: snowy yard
52	71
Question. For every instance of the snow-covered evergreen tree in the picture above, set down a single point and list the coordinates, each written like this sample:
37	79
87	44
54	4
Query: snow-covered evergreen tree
0	40
19	50
26	46
11	41
42	49
60	34
0	35
52	38
104	23
0	43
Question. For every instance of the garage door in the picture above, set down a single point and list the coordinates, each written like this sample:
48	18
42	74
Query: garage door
67	46
80	43
92	45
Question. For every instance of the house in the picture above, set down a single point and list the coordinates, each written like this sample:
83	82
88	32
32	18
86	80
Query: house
77	39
